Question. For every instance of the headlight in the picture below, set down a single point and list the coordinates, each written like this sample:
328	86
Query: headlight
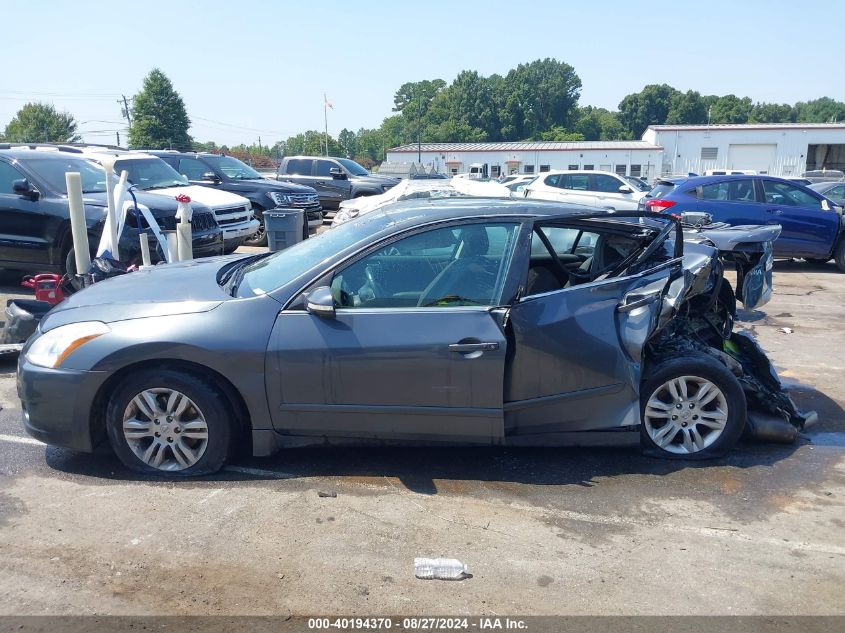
51	348
279	199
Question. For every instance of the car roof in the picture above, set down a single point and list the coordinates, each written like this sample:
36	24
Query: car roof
49	153
577	171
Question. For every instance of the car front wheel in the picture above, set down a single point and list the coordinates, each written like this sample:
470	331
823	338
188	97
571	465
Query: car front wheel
839	255
259	238
169	422
692	408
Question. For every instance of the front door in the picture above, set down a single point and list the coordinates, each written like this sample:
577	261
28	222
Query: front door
332	190
415	349
807	229
22	222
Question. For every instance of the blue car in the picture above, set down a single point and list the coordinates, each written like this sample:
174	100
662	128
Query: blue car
813	226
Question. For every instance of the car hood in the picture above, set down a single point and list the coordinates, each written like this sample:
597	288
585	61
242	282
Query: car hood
160	206
208	196
167	289
267	184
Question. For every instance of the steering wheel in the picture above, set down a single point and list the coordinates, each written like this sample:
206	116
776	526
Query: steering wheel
375	287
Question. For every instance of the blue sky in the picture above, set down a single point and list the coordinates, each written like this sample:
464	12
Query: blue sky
247	69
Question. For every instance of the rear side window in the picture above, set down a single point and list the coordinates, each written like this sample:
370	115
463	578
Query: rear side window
579	182
732	190
662	189
299	166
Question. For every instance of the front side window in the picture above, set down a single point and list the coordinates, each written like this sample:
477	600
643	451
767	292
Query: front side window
193	169
788	195
445	267
53	171
324	168
552	181
605	184
8	175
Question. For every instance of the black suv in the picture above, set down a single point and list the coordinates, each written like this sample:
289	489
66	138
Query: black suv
335	179
230	174
35	217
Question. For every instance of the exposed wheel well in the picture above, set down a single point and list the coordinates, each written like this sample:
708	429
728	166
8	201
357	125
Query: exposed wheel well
242	427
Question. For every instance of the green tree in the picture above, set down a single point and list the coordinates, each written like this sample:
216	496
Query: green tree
348	143
650	106
159	118
823	110
41	123
686	108
772	113
537	96
560	133
730	109
415	94
599	124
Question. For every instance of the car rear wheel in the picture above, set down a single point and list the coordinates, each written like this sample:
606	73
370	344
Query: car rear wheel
259	238
692	408
169	422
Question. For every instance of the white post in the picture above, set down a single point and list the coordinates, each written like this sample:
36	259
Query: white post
145	249
172	247
78	227
111	219
184	241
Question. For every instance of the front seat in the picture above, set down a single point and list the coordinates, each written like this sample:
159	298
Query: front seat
468	280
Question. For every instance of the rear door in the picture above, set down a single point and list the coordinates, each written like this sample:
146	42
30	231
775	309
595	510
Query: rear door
808	229
575	362
298	170
733	201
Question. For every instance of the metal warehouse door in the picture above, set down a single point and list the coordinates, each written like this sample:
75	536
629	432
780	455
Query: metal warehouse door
760	158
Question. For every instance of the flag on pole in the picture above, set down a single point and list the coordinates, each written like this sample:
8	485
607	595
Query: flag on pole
328	103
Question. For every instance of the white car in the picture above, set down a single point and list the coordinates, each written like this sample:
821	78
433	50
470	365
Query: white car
517	184
151	174
601	189
411	189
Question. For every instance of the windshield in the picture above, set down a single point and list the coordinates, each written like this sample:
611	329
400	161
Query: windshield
149	173
53	171
636	183
352	167
661	189
234	169
279	268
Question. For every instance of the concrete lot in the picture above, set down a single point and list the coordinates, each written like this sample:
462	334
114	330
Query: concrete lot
557	531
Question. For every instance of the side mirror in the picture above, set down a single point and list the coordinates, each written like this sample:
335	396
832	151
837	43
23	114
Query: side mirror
625	189
337	173
23	188
320	302
210	176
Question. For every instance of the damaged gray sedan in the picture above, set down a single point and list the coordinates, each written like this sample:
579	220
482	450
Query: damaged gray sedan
467	321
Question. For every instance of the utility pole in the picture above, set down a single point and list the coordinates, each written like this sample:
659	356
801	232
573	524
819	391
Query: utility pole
125	102
419	131
117	135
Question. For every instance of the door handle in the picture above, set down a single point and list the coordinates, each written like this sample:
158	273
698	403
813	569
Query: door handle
775	211
632	302
320	182
462	348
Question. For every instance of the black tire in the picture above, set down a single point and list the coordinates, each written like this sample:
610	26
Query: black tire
815	261
839	255
260	237
212	406
696	365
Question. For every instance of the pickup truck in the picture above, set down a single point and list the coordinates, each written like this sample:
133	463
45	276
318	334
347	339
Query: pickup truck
335	179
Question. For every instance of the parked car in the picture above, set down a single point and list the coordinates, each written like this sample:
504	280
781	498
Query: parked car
730	172
823	175
35	217
834	191
516	334
812	225
518	184
227	173
151	174
335	179
602	189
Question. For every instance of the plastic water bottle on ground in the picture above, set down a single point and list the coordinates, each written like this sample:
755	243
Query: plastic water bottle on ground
440	569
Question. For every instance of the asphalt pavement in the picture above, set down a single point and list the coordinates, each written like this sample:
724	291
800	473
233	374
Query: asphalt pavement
543	531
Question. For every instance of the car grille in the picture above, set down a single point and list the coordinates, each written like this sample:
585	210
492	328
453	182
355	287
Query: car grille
203	221
227	216
300	200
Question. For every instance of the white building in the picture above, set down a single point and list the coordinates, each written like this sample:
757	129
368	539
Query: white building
631	158
782	149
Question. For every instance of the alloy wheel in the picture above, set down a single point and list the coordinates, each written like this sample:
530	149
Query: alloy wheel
686	414
165	429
